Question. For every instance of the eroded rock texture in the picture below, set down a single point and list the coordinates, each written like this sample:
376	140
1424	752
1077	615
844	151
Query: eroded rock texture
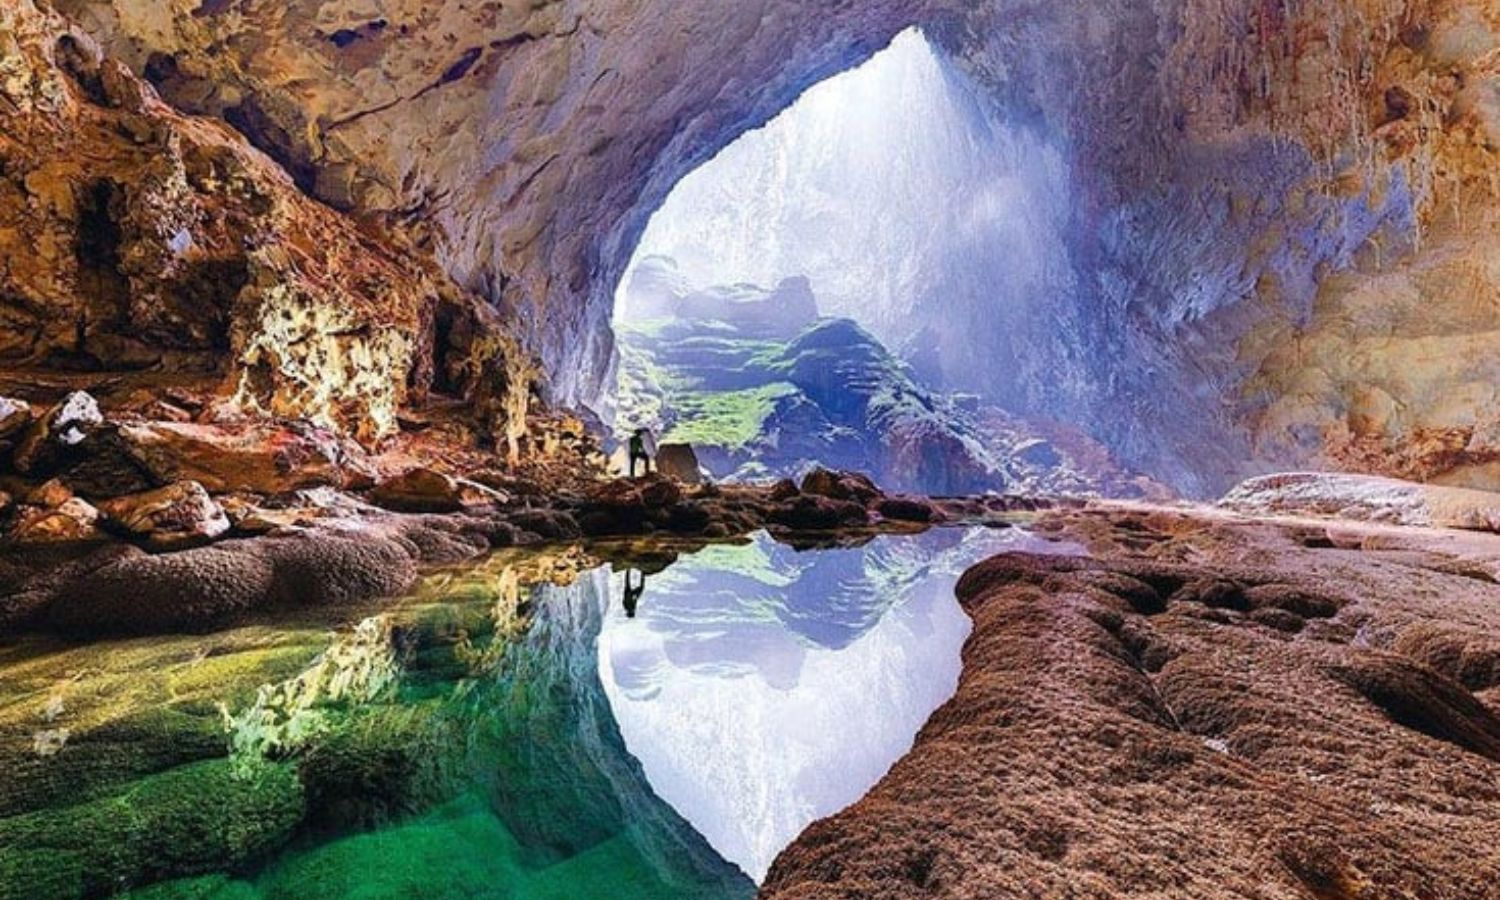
133	237
1280	213
1202	709
1278	225
529	141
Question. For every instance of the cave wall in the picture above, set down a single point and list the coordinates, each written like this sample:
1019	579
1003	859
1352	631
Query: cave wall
526	143
137	241
1283	213
1251	178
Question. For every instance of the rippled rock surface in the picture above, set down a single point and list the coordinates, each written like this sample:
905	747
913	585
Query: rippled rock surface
1205	706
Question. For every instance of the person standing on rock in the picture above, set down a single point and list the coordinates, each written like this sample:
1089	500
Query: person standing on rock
640	450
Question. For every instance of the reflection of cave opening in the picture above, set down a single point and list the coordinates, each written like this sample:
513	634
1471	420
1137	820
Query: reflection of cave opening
826	289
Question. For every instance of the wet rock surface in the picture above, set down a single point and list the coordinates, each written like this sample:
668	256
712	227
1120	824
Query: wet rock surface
155	525
1204	706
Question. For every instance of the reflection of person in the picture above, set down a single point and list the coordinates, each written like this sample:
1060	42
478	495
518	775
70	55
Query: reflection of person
639	451
633	591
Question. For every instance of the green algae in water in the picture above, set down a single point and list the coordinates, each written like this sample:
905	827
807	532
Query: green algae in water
194	818
480	773
458	851
463	744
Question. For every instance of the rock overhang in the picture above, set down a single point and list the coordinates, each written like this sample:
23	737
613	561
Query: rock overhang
1226	161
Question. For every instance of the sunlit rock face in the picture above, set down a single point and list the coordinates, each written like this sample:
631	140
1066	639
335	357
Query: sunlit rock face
135	238
1278	219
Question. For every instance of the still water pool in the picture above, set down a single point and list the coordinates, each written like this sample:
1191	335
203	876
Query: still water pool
644	722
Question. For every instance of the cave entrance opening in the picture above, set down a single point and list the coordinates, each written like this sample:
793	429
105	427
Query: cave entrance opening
818	292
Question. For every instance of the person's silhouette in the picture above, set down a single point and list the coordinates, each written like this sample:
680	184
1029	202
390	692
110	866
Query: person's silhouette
633	591
639	451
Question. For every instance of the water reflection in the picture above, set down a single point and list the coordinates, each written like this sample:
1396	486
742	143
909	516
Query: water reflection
762	688
496	767
533	726
635	586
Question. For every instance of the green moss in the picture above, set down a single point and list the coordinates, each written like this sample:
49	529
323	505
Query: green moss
194	819
208	887
383	763
732	420
233	678
94	762
462	850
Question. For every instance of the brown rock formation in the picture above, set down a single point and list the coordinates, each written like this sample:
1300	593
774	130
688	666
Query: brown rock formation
178	515
133	237
528	142
1205	708
1283	213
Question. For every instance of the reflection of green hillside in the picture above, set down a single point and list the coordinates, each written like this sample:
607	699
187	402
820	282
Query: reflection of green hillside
752	560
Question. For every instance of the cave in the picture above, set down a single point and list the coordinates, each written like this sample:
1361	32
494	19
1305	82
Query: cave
890	210
1071	438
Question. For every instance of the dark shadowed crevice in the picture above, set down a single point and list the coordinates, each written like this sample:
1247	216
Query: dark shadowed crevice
103	287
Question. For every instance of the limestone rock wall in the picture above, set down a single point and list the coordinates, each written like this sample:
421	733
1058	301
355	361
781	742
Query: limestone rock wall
1283	217
135	238
1283	212
527	142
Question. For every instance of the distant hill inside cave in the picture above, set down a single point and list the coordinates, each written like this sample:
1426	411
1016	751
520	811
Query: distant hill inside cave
764	387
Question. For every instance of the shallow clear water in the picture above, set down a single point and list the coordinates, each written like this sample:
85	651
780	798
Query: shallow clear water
525	728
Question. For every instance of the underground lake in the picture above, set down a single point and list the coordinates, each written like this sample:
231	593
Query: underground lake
644	720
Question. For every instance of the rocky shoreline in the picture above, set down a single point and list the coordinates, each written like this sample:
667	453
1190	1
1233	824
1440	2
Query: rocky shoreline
113	523
1206	706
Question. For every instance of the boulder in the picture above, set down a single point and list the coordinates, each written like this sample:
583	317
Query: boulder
105	467
848	486
49	495
61	430
812	512
15	415
74	521
653	490
629	506
679	463
302	510
546	524
174	517
261	457
1039	453
424	490
906	509
785	489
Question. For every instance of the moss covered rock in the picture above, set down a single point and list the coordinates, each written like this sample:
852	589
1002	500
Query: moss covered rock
382	764
194	819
